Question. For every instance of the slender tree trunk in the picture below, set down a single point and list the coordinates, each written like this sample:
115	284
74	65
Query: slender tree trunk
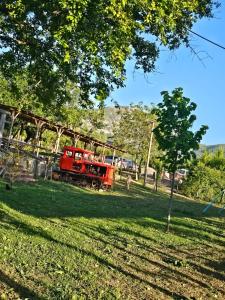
170	204
136	169
121	167
156	182
139	168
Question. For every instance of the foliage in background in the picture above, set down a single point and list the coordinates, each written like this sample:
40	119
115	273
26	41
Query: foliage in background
215	160
88	42
133	131
203	182
206	176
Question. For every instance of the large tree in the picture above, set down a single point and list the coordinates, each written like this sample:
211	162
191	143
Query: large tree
89	41
174	133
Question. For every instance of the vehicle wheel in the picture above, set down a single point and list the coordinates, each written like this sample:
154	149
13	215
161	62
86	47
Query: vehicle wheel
95	184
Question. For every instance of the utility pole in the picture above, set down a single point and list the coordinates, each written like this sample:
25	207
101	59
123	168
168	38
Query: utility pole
149	153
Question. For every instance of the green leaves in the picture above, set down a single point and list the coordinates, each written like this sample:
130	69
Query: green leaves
89	41
173	133
203	181
134	129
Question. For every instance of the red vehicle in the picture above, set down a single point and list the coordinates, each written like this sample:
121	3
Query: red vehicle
80	165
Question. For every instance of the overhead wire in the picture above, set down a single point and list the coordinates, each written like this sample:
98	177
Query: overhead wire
208	40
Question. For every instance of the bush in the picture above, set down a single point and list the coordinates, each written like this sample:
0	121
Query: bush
203	182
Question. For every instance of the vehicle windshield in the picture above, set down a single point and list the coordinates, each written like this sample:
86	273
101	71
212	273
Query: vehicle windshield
78	156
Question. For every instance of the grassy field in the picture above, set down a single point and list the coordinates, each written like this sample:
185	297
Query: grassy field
62	242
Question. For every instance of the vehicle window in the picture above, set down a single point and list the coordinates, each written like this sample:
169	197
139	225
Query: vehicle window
86	156
69	153
78	156
109	157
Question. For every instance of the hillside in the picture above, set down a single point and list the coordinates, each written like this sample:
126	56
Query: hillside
210	148
111	118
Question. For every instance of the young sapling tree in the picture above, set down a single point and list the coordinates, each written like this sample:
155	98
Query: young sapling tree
174	134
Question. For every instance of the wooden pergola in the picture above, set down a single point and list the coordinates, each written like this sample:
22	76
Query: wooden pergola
43	123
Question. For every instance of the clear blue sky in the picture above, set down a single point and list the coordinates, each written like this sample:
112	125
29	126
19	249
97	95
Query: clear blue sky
205	85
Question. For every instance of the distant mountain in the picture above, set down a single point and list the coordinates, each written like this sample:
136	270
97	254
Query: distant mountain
210	148
111	118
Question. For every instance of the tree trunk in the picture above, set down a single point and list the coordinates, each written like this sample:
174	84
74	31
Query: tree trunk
139	168
170	204
121	167
156	183
136	170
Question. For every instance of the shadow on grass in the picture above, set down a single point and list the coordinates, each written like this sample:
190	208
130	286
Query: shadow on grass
31	230
178	274
137	273
150	249
140	206
218	265
54	199
23	291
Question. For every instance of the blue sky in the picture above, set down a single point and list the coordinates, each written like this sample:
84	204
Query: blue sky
204	84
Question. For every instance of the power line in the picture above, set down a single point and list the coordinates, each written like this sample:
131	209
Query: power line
202	37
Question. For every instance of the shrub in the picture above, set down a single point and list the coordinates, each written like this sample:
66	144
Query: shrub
203	182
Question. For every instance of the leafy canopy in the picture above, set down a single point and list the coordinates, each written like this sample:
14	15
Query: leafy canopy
173	132
18	93
89	41
133	130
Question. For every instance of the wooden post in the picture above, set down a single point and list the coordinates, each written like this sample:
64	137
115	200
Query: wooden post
75	140
103	154
103	151
59	134
149	153
95	148
91	145
39	125
2	123
13	115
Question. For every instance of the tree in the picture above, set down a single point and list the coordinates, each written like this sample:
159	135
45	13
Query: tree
174	135
89	41
132	133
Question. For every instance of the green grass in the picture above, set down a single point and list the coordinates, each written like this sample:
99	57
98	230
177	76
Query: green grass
59	241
